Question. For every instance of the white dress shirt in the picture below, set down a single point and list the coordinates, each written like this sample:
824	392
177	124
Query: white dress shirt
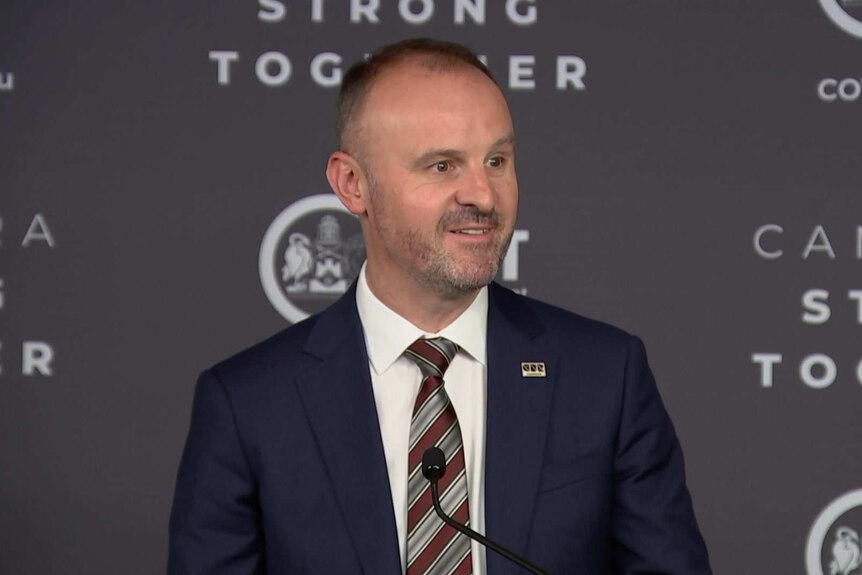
396	380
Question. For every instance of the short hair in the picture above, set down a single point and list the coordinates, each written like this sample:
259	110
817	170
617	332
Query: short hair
434	55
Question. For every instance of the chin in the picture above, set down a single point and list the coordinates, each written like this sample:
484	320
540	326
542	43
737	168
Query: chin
472	281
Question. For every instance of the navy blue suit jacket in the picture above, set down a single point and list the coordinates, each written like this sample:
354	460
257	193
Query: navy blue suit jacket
284	472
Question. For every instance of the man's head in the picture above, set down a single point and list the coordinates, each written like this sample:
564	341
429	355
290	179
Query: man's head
426	161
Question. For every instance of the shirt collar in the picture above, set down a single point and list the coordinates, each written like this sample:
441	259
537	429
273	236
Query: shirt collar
387	334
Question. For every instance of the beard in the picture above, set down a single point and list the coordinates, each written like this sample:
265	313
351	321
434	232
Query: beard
449	271
472	266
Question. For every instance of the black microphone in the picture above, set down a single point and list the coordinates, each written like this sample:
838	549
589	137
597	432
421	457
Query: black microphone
433	468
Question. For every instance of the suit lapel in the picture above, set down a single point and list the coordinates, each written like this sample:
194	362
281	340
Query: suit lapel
339	400
518	410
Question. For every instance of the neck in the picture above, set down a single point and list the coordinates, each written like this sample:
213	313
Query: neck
422	306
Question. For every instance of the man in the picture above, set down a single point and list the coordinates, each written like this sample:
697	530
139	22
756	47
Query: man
303	451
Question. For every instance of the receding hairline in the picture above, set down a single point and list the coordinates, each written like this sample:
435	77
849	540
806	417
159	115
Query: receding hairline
426	54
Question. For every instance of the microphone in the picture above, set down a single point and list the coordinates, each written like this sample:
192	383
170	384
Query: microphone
433	468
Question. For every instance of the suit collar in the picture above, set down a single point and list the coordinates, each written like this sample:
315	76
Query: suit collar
387	334
514	309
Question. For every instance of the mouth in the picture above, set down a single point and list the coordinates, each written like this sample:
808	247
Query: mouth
472	231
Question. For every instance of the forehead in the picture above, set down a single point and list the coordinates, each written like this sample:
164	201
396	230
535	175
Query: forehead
455	104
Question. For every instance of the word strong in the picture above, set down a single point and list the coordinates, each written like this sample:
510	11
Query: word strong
518	12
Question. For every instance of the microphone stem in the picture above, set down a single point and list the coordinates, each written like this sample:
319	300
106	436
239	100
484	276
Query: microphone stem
521	562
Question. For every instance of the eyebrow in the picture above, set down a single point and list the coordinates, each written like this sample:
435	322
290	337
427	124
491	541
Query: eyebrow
429	155
508	139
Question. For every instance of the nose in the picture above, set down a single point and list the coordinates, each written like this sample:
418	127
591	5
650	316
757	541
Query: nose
477	190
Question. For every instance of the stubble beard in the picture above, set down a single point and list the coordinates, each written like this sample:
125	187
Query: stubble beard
443	270
431	265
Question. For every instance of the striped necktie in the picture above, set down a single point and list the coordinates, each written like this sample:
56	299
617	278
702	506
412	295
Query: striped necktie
434	548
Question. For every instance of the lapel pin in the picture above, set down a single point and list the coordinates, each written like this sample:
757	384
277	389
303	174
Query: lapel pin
533	369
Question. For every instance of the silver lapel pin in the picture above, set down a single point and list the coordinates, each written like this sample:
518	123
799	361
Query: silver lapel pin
533	369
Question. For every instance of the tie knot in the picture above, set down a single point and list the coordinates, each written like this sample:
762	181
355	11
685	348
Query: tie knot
432	355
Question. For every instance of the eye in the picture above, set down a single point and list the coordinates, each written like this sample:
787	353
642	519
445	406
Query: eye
442	167
497	161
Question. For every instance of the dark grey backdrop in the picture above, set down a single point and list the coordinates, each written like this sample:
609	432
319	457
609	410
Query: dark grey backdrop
700	123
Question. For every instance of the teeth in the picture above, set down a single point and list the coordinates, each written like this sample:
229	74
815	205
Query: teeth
472	232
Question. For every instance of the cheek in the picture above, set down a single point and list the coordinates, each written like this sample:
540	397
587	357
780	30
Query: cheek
425	211
403	221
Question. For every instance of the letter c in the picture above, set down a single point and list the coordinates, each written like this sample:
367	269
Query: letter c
758	247
827	84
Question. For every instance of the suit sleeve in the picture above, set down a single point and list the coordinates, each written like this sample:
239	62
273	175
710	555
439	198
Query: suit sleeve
215	520
653	522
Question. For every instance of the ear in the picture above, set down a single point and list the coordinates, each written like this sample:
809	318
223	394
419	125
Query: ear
347	179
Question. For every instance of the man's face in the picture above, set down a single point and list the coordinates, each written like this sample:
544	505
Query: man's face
438	148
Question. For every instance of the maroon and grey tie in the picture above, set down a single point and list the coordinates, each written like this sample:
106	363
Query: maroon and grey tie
434	548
